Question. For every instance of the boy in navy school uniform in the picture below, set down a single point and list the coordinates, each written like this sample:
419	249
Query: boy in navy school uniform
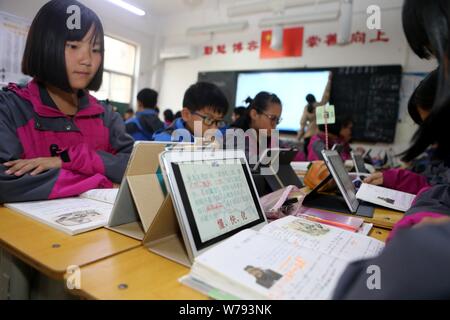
146	122
204	107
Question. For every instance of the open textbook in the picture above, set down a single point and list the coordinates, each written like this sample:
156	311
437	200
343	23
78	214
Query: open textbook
89	211
289	259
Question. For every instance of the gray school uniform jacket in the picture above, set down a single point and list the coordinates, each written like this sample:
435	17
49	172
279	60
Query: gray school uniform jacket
414	264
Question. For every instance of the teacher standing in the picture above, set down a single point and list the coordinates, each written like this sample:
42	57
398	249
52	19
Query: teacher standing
308	124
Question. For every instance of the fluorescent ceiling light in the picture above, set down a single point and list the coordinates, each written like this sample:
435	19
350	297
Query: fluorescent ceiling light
218	28
271	6
129	7
304	18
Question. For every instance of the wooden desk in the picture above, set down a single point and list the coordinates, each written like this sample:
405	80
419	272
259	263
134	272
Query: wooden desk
382	218
51	251
379	233
137	274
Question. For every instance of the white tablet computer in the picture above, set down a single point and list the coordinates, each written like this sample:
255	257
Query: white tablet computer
214	196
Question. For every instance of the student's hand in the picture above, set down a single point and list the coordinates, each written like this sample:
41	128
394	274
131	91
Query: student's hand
35	166
432	221
375	179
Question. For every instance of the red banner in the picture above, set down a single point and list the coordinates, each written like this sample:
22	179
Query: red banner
292	44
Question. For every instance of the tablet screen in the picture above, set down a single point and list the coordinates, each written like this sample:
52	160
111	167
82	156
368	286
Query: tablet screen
218	197
359	163
342	178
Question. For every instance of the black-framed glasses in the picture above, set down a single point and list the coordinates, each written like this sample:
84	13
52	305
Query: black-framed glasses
273	118
207	121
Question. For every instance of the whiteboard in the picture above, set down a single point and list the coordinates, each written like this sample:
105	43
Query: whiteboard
13	37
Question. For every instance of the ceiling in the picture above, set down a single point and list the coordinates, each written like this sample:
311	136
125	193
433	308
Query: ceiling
169	7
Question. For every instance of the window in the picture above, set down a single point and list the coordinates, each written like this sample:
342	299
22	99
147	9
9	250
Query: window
120	59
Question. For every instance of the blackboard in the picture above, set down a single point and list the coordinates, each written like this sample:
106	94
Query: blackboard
227	82
370	95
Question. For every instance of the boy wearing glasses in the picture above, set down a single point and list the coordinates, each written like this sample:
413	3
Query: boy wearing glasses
204	108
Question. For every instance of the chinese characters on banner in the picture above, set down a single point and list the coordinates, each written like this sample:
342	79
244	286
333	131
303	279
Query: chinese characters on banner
236	47
292	47
358	37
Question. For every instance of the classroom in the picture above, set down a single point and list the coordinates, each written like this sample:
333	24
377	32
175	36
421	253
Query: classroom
224	150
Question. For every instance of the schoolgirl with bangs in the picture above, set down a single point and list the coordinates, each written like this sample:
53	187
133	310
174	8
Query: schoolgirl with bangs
56	140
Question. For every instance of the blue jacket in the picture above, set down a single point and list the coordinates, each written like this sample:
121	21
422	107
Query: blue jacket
144	125
182	134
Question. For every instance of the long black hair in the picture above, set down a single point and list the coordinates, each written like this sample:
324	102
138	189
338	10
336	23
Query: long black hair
44	55
423	97
427	29
260	104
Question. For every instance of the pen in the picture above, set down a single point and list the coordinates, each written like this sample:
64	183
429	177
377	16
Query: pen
332	223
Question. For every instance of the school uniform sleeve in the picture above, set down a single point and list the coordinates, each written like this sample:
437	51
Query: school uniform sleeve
55	183
315	147
414	265
433	202
404	180
112	163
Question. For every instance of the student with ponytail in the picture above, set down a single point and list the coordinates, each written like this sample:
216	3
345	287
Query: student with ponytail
258	122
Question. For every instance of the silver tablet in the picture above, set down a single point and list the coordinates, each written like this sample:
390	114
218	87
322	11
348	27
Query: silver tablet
214	195
358	163
337	168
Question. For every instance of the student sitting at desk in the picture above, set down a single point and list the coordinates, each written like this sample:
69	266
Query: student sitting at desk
427	36
204	108
339	133
146	122
258	123
56	139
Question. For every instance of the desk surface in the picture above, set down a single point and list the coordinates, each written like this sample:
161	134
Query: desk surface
383	218
51	251
137	274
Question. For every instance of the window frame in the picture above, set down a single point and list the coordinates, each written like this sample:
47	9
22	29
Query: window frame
133	76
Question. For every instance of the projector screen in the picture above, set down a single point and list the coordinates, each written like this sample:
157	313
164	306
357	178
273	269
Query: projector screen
290	86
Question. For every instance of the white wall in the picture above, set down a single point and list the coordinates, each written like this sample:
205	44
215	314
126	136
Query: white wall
177	75
118	23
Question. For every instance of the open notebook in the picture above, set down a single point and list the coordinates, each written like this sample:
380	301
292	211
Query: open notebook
89	211
290	259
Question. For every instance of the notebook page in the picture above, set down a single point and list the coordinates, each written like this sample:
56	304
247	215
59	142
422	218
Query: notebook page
327	239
